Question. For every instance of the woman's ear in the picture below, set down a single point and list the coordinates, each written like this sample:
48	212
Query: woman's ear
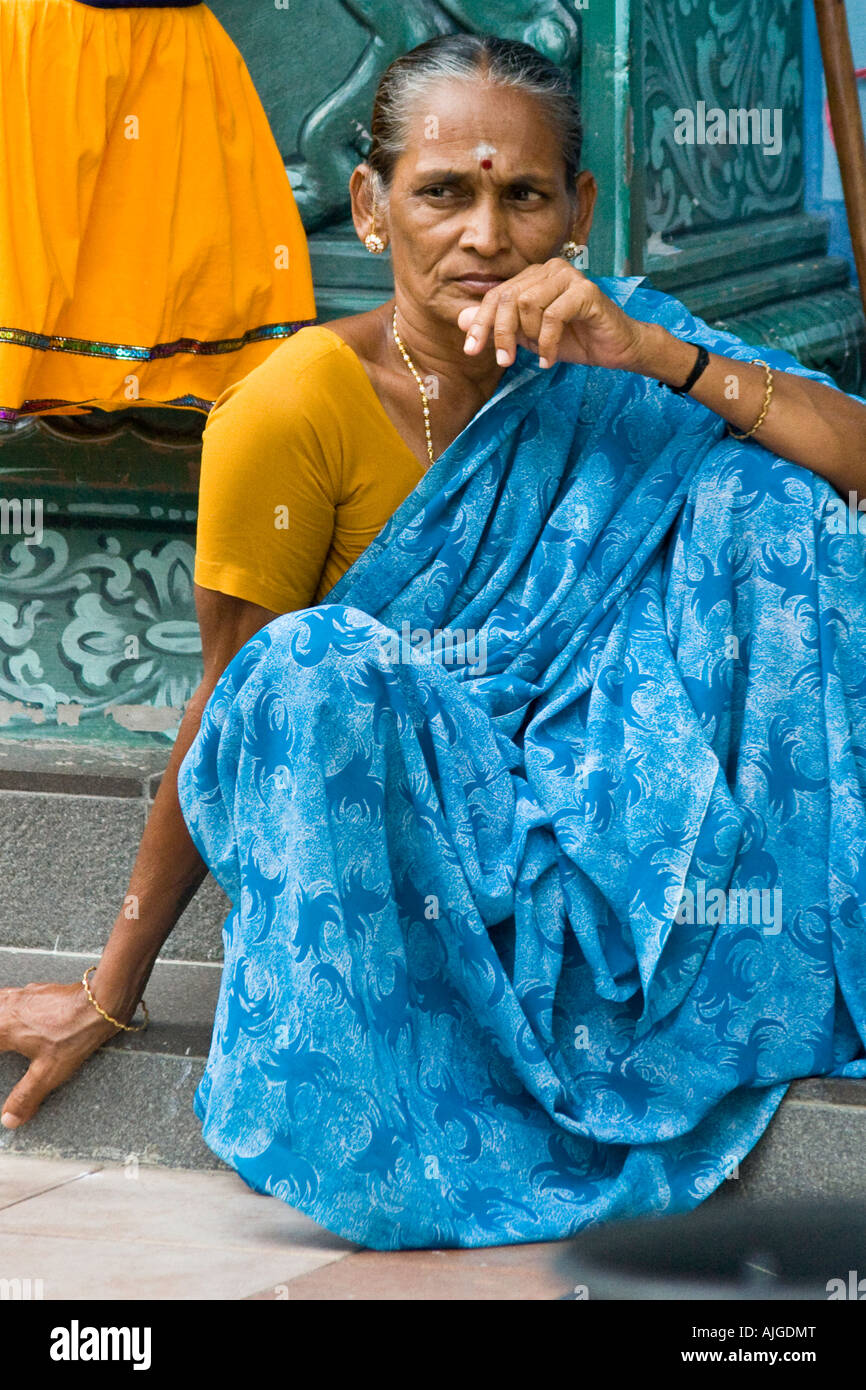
586	192
361	195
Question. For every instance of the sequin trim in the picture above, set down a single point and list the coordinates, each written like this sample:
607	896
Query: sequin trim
33	407
125	352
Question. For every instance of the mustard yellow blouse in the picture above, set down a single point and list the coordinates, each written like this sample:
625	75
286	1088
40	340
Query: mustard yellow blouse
301	468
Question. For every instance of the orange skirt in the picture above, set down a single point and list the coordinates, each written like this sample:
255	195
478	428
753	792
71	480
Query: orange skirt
151	251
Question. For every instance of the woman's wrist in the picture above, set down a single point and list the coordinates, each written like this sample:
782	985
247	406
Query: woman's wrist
120	977
94	1025
663	356
118	997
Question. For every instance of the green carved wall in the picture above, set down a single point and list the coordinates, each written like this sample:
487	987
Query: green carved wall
730	55
98	638
722	226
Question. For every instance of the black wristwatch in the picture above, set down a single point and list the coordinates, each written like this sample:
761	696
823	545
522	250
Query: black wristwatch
703	361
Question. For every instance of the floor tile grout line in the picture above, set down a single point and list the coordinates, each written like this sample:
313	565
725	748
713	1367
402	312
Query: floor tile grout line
115	1165
53	1187
306	1251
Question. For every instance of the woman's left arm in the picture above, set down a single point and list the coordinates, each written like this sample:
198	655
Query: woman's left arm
807	422
557	311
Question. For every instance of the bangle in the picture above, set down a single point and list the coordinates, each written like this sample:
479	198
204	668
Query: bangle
768	396
127	1027
701	363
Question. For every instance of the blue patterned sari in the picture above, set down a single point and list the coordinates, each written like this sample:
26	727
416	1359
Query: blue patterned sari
544	832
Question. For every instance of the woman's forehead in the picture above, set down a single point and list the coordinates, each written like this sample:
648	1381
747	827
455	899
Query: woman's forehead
459	104
476	121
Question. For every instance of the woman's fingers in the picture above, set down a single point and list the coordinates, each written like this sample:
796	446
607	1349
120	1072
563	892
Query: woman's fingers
24	1100
506	325
560	312
477	321
534	305
56	1029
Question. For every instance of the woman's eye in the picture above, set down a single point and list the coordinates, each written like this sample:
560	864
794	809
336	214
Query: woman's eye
440	191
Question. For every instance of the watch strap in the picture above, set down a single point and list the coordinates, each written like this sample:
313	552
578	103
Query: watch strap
701	364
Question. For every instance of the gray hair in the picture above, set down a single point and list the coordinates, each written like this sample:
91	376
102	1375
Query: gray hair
465	57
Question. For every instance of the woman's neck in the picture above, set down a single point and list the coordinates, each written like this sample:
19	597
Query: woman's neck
436	349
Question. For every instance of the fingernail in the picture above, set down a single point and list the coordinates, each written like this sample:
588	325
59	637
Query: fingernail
502	356
471	341
8	1120
543	362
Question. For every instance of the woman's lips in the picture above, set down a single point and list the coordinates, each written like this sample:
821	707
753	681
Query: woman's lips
480	283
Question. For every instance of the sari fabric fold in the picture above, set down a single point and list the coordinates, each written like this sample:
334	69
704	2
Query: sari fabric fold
544	832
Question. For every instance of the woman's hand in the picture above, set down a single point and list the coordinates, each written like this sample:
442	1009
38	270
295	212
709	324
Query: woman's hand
57	1029
553	310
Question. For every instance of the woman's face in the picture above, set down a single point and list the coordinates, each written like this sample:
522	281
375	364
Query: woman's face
479	193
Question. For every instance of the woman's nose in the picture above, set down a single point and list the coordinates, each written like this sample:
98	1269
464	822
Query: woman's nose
485	230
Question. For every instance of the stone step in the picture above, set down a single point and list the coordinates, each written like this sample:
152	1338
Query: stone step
132	1101
71	818
814	1147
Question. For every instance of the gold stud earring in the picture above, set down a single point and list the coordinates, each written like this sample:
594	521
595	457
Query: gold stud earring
570	250
373	242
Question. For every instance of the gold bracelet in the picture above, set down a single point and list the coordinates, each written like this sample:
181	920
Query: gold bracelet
768	396
127	1027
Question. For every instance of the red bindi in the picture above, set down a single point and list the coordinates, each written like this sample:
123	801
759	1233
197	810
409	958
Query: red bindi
487	164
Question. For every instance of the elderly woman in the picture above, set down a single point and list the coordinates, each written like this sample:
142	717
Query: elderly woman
532	925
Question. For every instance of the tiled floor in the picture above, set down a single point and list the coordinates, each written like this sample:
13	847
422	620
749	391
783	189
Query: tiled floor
100	1231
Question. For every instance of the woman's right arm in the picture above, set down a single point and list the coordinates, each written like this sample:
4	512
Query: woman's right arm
56	1026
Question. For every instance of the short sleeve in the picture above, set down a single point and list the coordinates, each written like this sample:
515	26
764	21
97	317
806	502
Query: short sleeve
270	479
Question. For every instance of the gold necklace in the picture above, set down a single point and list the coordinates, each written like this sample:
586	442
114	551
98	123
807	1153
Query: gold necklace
412	368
